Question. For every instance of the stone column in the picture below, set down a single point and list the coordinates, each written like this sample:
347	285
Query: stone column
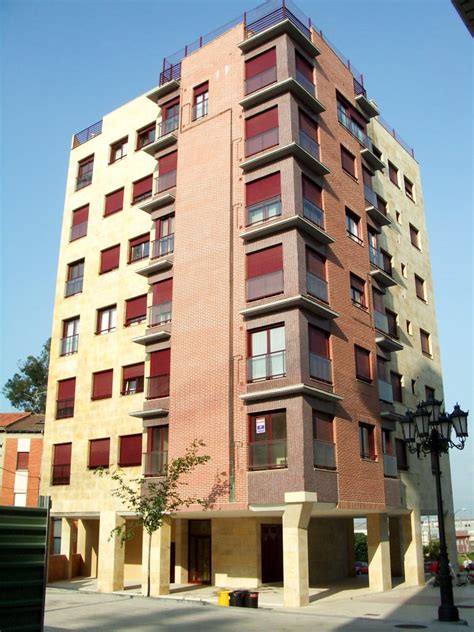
111	554
396	554
412	549
68	535
295	548
380	577
159	560
181	551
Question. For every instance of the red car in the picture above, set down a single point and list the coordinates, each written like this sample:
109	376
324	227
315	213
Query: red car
361	568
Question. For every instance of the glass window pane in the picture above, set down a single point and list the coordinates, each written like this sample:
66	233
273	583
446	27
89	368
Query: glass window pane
278	426
277	339
259	343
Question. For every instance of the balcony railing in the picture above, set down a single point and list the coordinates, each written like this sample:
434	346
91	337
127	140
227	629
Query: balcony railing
376	257
380	321
261	80
317	287
266	366
167	126
256	22
156	463
324	454
309	144
265	285
78	231
354	129
64	408
69	345
263	211
385	391
87	134
267	455
390	465
61	475
159	314
305	82
74	286
258	143
200	109
370	196
158	386
313	213
320	367
163	246
166	181
84	180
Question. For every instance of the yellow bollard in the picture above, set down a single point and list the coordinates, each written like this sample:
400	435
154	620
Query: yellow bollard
223	598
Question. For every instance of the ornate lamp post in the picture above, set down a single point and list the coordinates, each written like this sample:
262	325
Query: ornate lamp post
429	430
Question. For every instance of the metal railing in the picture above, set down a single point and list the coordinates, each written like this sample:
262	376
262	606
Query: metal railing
158	386
83	180
163	246
264	78
64	408
69	345
263	211
317	287
305	82
172	73
266	366
313	213
376	257
199	110
167	126
267	455
87	134
265	285
385	391
159	314
156	463
324	454
258	143
309	144
354	129
61	475
78	231
390	465
396	136
166	181
380	321
370	196
265	16
320	367
74	286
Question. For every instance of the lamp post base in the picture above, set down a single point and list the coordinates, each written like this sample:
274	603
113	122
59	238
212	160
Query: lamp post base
448	613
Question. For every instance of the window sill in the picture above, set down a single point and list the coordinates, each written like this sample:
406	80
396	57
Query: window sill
131	393
259	298
261	150
112	162
142	199
357	240
107	271
96	467
266	379
129	464
135	322
351	175
113	212
368	459
105	331
325	469
364	380
360	306
97	399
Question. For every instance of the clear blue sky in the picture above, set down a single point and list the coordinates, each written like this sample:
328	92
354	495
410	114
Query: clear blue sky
67	63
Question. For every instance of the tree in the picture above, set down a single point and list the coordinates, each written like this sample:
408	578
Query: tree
26	390
153	501
360	547
431	550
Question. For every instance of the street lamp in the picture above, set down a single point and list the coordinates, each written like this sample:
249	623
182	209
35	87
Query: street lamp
429	430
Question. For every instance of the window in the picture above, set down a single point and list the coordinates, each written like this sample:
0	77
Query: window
393	173
156	457
70	338
130	450
392	323
80	218
159	380
353	226
304	72
22	459
323	441
425	342
135	310
362	360
308	134
65	398
139	248
420	288
415	237
387	446
109	259
75	277
429	393
358	291
133	377
260	71
409	328
319	358
263	198
164	233
313	202
102	384
380	318
348	162
84	172
265	273
118	150
99	451
266	349
57	525
145	136
316	279
261	131
113	202
106	319
367	441
169	117
142	189
351	119
384	383
402	455
267	440
200	101
403	270
408	188
61	473
160	311
396	380
167	166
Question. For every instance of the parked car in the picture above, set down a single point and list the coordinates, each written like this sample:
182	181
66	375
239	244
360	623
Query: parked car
361	568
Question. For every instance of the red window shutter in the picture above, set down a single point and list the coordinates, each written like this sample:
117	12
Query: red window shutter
367	177
67	389
109	259
113	202
263	189
102	384
378	300
308	126
304	67
135	308
137	241
265	261
80	215
162	292
133	371
99	450
261	123
348	161
316	263
201	89
22	459
362	357
168	163
319	341
142	187
323	427
260	63
131	450
62	454
160	362
167	107
312	192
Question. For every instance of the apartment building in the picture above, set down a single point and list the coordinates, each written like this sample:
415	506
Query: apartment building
244	260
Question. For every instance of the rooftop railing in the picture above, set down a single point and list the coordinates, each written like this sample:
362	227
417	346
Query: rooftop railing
87	134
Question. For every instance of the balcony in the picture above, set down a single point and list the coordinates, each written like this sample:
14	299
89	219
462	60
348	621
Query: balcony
317	287
305	82
156	463
64	408
320	368
61	474
200	110
307	154
264	211
373	207
383	271
369	108
385	391
276	89
69	345
165	182
265	285
159	314
74	286
83	180
390	468
162	247
266	366
169	82
267	455
78	231
158	386
163	195
263	79
164	136
381	321
87	134
324	454
356	131
260	142
277	304
313	213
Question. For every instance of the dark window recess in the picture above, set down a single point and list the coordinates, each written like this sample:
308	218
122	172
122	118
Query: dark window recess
429	393
402	454
362	360
102	384
392	323
397	390
265	273
267	440
408	188
415	236
393	173
367	441
135	310
142	189
420	288
353	226
133	377
139	248
113	202
146	135
99	450
130	450
109	259
358	291
425	342
348	162
80	219
84	172
61	469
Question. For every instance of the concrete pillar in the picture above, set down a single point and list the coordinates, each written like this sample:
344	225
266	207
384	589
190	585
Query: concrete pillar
159	560
181	551
351	560
295	548
396	554
380	576
111	554
412	549
68	536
